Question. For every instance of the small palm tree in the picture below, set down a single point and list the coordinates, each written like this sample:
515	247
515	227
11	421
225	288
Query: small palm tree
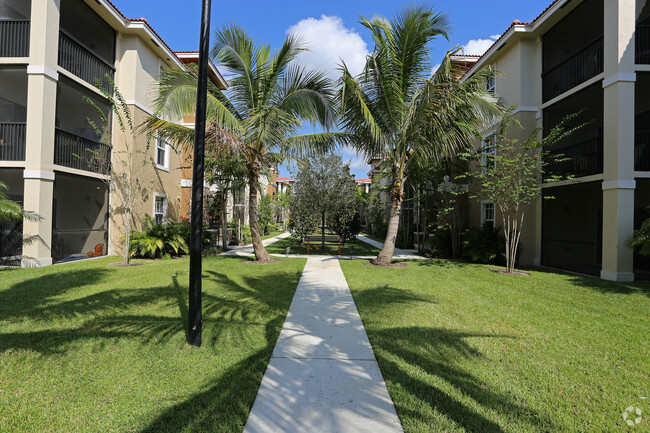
395	109
11	211
262	112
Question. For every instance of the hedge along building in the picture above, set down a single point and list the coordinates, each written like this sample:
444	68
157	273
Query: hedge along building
50	54
591	55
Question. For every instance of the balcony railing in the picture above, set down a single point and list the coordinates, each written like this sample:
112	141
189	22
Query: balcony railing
642	45
642	151
582	159
12	141
575	70
73	151
14	38
82	62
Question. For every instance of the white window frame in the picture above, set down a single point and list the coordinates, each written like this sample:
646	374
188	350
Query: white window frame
484	219
491	85
162	145
165	210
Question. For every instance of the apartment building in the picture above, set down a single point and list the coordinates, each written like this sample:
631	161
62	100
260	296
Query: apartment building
51	52
590	55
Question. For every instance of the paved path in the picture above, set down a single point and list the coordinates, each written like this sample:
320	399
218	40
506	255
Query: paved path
323	376
398	254
247	250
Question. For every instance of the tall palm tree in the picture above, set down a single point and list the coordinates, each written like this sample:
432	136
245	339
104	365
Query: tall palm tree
268	100
395	109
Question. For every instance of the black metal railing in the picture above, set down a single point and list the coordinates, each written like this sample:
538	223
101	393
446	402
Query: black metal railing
642	45
642	151
12	141
574	70
73	151
581	159
14	38
82	62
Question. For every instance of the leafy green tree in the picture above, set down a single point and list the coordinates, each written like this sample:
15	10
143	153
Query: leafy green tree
324	190
269	99
511	174
282	203
265	213
395	109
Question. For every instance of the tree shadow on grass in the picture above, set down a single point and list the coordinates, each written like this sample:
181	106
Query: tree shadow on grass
597	284
443	263
437	351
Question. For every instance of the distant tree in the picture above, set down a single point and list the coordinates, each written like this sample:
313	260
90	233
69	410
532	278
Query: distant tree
324	188
511	172
265	213
281	204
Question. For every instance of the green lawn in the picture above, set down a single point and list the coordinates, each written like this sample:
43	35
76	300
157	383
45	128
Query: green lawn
90	347
359	248
463	349
272	234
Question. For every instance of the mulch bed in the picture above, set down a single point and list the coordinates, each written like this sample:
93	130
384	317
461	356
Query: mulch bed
392	265
515	272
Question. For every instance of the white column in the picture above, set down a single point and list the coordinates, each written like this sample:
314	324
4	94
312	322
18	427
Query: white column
41	112
618	185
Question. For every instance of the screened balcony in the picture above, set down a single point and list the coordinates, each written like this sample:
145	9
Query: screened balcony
14	28
12	141
81	61
13	112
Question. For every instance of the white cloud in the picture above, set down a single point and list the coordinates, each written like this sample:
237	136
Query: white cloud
330	42
479	46
357	162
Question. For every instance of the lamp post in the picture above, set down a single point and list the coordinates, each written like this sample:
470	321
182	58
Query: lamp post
195	319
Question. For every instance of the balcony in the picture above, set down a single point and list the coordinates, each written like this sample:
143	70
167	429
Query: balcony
642	151
582	159
585	64
80	153
14	38
76	58
12	141
642	45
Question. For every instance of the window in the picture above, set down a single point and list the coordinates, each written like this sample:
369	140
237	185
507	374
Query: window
488	153
160	209
491	84
162	154
487	213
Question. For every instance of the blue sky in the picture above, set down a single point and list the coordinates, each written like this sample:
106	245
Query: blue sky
331	26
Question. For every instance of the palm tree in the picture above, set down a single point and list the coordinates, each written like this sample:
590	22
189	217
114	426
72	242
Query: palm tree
395	109
260	115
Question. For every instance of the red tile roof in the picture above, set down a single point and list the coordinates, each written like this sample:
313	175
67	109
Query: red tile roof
363	180
517	23
284	179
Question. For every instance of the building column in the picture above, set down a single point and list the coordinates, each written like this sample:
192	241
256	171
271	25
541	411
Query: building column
618	183
41	114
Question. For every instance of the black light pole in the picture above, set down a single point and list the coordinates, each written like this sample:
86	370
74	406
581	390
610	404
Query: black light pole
195	320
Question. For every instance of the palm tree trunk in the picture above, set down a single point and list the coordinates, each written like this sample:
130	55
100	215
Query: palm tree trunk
385	256
258	248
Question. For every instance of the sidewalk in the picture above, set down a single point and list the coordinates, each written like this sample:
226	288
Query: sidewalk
323	376
397	254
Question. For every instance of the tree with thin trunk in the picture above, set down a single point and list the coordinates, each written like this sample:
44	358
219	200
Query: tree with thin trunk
395	110
511	173
121	168
269	99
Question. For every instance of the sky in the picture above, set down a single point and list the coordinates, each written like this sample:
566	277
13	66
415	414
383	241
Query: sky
331	28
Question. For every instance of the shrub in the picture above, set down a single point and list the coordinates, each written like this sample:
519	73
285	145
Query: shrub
184	228
246	237
484	245
156	240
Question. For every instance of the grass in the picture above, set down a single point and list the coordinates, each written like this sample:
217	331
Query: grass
463	349
272	234
359	248
88	347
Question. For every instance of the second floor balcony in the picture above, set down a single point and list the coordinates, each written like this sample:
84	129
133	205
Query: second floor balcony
74	151
578	160
75	57
12	141
642	45
574	70
642	151
14	38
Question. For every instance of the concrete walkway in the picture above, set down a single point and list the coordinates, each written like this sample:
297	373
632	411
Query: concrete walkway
323	376
397	254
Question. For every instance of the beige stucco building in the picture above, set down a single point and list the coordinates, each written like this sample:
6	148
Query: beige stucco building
50	55
591	55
